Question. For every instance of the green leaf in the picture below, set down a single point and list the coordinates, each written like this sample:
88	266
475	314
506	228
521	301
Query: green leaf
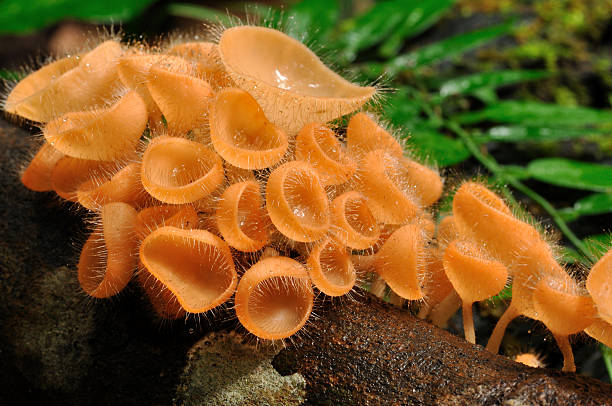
537	114
11	75
516	171
572	174
20	17
312	20
469	84
606	353
371	27
420	15
591	205
442	50
441	149
534	133
200	13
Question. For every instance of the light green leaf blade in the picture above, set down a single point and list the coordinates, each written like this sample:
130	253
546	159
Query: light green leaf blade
437	148
312	20
537	133
472	83
20	17
420	15
441	50
597	203
572	174
537	114
200	13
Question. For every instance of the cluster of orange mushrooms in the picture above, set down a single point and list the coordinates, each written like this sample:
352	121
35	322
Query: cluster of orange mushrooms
221	171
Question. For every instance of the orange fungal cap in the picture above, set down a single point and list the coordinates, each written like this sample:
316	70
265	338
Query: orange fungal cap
124	186
241	219
69	173
182	99
599	285
473	276
402	262
134	69
37	176
206	56
152	218
241	133
103	134
195	265
601	331
297	203
274	298
286	78
382	179
364	135
331	269
482	216
90	84
317	144
355	226
23	99
560	306
164	302
106	264
176	170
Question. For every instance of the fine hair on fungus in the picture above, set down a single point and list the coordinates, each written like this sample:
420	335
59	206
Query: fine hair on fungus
221	172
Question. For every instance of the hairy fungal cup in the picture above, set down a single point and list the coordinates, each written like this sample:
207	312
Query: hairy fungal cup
219	173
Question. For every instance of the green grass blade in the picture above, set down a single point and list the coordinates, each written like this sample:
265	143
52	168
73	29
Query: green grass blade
606	353
20	17
199	13
537	114
312	20
537	133
420	15
370	28
472	83
572	174
441	50
597	203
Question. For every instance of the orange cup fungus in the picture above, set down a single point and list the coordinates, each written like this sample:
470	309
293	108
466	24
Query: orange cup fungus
241	219
599	285
195	265
474	277
198	135
274	298
319	145
331	269
108	258
355	226
176	170
104	134
297	203
287	79
241	133
37	175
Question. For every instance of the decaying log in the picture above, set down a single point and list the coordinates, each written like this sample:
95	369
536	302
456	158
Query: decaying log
369	352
